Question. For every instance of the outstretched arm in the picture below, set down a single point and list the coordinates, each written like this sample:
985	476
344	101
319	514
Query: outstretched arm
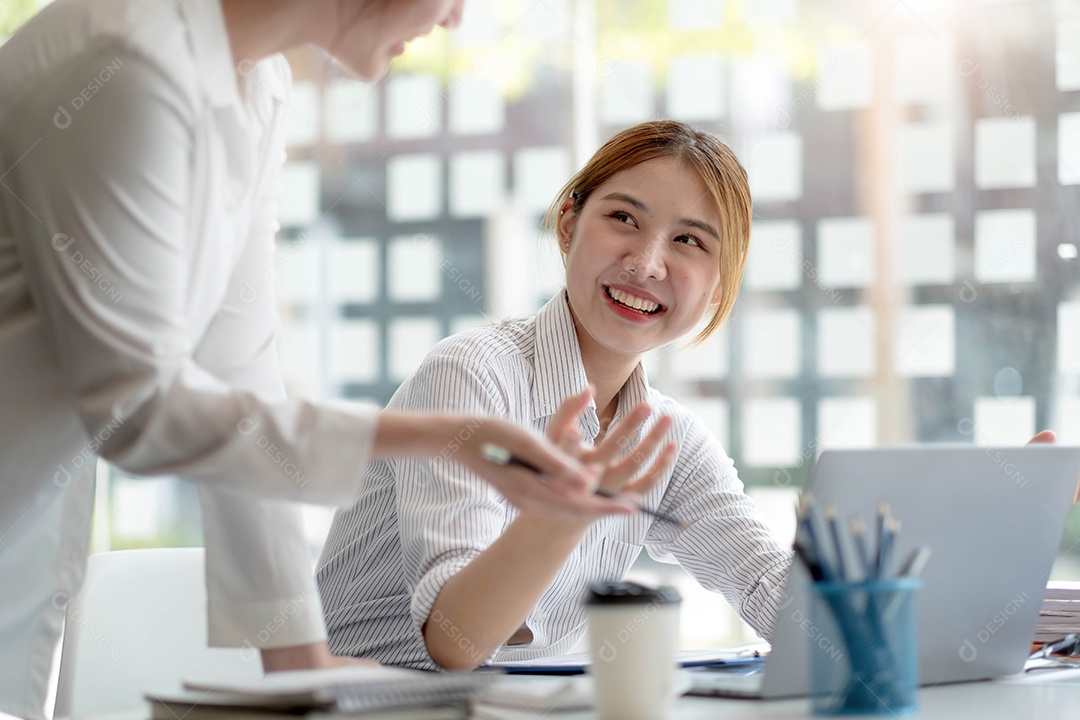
488	600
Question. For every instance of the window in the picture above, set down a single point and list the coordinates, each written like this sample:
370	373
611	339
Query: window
913	270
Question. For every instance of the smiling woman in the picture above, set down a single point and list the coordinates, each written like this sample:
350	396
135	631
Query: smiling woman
655	230
705	169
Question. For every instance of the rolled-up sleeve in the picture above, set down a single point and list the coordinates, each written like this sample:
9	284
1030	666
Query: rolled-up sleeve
447	514
727	547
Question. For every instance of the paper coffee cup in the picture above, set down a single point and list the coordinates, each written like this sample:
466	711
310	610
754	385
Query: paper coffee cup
633	635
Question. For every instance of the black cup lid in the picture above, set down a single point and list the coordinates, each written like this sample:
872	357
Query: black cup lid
629	593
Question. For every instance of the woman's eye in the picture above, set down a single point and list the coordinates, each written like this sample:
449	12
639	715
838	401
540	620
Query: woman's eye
689	240
623	217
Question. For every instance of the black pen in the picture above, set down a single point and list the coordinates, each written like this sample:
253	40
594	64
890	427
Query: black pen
501	456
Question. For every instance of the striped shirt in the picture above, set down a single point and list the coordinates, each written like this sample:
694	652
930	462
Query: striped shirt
418	521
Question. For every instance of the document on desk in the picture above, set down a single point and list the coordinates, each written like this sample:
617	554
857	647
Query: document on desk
351	689
1060	612
577	663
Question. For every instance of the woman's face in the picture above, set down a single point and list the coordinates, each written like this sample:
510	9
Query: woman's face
642	262
379	35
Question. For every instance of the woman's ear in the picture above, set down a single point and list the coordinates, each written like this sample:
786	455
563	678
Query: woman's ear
718	294
564	226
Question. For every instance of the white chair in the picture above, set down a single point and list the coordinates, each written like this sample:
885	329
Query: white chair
139	625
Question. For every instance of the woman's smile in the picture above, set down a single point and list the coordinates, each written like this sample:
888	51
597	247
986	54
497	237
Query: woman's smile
636	306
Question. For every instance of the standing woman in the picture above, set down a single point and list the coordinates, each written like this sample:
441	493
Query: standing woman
139	170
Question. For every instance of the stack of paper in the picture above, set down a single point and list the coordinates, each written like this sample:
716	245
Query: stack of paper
1060	614
523	697
534	697
372	693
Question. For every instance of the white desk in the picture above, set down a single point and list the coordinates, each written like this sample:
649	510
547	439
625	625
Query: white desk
1040	695
1029	698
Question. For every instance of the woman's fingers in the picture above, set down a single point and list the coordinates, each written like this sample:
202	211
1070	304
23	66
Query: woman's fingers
563	427
620	474
620	436
532	495
561	490
563	502
571	442
553	482
658	471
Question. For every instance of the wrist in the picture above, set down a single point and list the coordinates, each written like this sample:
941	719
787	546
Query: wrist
553	531
415	435
297	657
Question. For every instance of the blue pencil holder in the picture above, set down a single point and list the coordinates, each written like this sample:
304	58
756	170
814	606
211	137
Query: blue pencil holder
864	656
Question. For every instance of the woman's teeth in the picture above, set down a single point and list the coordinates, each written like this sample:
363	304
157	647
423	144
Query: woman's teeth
632	301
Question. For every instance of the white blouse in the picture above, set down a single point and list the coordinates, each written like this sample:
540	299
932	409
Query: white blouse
137	319
420	521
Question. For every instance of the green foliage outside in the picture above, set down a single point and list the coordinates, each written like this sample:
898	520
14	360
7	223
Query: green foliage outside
624	31
13	13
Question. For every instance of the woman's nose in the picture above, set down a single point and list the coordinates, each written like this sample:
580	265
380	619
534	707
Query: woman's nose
453	18
647	261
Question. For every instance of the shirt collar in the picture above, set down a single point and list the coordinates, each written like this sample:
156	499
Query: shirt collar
213	56
560	372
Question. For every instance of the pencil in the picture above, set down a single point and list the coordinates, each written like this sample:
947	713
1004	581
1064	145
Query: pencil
887	543
501	456
681	524
858	538
834	531
882	515
812	564
806	513
915	562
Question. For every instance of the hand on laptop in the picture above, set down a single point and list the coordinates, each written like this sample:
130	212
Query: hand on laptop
1048	436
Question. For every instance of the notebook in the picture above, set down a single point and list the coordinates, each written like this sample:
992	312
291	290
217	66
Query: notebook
993	518
212	706
347	690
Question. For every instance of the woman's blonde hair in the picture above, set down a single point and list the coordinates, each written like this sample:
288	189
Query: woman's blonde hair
699	150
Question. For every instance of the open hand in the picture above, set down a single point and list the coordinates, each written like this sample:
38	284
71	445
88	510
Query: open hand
621	467
562	492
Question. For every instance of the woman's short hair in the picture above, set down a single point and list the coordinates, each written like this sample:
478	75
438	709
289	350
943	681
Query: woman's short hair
699	150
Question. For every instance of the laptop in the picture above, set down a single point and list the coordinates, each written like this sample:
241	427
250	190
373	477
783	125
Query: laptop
993	518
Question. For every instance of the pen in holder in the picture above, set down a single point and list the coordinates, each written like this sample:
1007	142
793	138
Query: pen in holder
863	654
864	658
